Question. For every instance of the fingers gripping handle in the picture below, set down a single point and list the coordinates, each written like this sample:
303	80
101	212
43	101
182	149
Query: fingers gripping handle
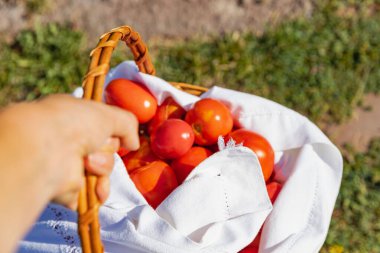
93	81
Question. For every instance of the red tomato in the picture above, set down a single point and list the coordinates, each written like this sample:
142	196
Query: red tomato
122	152
250	250
172	139
186	163
214	148
273	189
132	97
259	145
209	119
169	109
141	157
154	181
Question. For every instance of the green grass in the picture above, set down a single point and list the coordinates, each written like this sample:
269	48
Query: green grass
49	59
319	66
355	226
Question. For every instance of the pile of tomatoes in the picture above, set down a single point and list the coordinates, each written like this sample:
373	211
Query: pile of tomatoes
173	142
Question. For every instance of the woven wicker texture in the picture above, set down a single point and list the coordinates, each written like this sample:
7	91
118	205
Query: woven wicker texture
88	203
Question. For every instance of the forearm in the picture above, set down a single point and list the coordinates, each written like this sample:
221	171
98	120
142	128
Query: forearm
43	149
23	175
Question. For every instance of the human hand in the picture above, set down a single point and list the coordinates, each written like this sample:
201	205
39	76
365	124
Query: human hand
89	139
98	163
43	149
67	134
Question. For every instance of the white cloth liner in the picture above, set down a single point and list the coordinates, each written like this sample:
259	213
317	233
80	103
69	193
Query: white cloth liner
223	203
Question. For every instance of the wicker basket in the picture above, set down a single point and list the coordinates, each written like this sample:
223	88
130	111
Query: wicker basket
88	222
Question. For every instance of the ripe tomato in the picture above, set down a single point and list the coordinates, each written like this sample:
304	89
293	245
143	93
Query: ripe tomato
172	139
273	189
249	250
209	119
169	109
122	152
132	97
154	181
186	163
259	145
141	157
213	148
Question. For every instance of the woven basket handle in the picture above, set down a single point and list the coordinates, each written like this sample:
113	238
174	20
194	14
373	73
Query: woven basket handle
88	204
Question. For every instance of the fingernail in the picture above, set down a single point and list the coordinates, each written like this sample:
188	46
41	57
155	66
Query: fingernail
135	146
131	145
97	160
103	190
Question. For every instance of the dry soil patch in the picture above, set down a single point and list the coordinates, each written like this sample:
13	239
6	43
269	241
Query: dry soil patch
361	128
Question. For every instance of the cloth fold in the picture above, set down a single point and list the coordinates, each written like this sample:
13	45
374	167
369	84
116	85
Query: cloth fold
223	203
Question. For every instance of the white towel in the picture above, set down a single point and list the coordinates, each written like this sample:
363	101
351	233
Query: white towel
223	203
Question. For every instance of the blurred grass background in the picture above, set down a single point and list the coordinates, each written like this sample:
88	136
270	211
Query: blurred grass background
320	66
355	225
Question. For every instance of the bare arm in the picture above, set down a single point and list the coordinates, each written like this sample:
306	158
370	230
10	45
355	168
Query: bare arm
44	146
